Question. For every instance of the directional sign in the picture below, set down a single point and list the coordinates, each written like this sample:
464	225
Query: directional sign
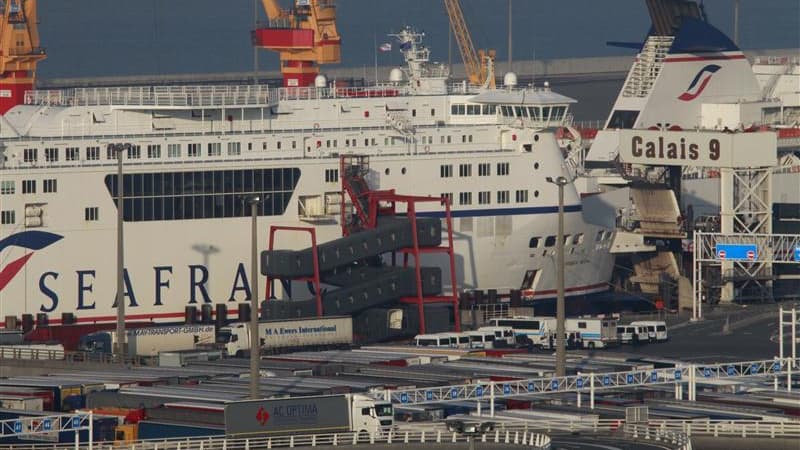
737	252
429	395
17	427
530	387
579	383
506	389
554	385
776	366
454	393
76	422
606	380
404	397
629	378
479	391
707	373
797	254
654	377
47	424
677	375
731	370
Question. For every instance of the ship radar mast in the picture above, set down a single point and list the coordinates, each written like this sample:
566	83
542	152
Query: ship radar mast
423	76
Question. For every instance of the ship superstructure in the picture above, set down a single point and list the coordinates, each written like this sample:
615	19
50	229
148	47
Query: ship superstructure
196	151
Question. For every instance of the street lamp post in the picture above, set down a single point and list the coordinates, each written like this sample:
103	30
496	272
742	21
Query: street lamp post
120	300
561	351
255	341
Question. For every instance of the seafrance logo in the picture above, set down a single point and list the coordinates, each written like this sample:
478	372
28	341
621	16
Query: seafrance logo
699	83
31	240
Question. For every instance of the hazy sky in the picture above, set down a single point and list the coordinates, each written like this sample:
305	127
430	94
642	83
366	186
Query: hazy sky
127	37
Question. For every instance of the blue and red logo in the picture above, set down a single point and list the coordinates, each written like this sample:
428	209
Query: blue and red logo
31	240
699	83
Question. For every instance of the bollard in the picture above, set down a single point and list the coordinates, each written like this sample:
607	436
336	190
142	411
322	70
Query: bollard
291	441
405	441
355	438
313	440
335	439
422	437
269	443
508	437
516	437
247	444
454	437
438	436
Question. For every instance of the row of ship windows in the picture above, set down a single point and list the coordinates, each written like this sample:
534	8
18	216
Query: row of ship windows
569	239
9	187
465	170
153	151
485	197
9	217
555	113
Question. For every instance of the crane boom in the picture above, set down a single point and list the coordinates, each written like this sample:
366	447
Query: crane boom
478	73
20	51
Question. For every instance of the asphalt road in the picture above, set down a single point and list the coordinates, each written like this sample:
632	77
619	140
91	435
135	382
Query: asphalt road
600	443
750	334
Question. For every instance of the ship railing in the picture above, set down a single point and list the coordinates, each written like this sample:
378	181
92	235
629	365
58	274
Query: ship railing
156	96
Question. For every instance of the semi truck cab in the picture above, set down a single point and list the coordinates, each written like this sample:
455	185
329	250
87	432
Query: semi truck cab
371	416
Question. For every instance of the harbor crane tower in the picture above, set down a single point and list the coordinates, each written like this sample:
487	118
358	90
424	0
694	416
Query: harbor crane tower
305	36
478	64
19	51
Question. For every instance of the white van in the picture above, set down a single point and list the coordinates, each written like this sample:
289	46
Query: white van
440	340
536	329
481	339
593	333
457	340
504	334
656	329
630	334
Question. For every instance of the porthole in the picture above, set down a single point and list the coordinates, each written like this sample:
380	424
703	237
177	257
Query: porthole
536	166
403	171
536	194
386	171
535	138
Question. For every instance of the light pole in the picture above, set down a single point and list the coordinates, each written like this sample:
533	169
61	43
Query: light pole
255	341
561	351
120	347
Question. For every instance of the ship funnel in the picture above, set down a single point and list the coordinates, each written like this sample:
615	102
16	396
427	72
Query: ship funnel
320	81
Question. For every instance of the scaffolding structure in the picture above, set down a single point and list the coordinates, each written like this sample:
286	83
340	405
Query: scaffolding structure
363	210
314	278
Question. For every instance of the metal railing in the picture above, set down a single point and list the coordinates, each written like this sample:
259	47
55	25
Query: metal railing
518	436
732	428
33	354
164	96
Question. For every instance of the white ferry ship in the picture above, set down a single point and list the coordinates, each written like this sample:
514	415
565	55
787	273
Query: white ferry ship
196	151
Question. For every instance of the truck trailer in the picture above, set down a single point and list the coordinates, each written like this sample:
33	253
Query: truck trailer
150	341
285	334
309	415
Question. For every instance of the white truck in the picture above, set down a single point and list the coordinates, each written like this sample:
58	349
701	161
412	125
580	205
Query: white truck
284	334
593	333
150	341
309	415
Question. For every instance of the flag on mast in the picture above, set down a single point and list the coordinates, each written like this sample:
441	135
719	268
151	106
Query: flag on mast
385	47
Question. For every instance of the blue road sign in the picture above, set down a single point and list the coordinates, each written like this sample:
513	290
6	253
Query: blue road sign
677	375
479	391
797	254
654	377
754	368
47	424
629	378
76	421
428	395
506	389
737	252
707	373
404	398
554	385
731	371
530	387
454	393
606	380
776	366
579	383
17	427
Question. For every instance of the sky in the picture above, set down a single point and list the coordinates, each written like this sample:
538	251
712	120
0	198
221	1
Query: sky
86	38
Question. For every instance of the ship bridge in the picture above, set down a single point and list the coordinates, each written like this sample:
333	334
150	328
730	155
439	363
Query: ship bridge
158	97
536	108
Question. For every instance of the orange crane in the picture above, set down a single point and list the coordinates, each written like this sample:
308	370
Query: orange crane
304	36
479	65
19	51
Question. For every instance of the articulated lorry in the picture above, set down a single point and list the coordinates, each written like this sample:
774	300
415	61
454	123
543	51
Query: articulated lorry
284	334
309	415
150	341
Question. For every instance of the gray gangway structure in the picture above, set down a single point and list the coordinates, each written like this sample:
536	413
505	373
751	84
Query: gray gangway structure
352	264
589	383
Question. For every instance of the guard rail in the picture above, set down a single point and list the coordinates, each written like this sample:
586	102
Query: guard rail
28	354
528	439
